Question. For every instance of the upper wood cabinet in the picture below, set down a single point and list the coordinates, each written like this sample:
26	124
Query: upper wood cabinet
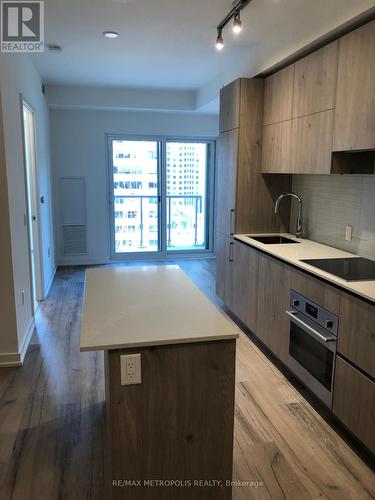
355	102
311	144
245	200
245	289
356	339
278	96
276	148
230	97
315	79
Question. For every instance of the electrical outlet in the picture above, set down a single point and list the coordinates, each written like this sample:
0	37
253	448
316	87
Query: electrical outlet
131	372
348	233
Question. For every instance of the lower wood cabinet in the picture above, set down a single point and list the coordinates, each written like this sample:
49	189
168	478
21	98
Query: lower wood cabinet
354	402
245	289
356	339
225	269
274	282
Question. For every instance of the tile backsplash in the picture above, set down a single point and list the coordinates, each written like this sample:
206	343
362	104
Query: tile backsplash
330	203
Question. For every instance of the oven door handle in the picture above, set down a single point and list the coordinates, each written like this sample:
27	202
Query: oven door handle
305	326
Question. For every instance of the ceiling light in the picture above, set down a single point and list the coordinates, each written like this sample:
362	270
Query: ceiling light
54	48
219	41
110	34
237	24
234	14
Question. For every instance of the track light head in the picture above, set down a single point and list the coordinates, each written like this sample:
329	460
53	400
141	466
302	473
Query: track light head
237	23
219	41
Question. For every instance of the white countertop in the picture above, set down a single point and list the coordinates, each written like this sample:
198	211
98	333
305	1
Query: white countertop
306	249
144	306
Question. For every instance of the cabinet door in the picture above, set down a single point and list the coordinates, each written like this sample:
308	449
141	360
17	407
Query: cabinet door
355	100
225	269
278	95
245	289
227	182
354	402
311	144
356	339
230	106
276	148
315	78
273	301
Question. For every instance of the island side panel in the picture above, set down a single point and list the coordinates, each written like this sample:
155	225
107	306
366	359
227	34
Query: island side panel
176	425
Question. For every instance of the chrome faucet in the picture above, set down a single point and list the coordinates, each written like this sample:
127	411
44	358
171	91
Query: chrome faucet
299	228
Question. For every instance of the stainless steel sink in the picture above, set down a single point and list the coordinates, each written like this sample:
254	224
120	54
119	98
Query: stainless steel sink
272	240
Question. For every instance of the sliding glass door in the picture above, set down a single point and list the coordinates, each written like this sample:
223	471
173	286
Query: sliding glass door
187	196
135	196
161	197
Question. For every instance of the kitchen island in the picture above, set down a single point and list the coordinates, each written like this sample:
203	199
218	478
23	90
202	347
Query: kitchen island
170	432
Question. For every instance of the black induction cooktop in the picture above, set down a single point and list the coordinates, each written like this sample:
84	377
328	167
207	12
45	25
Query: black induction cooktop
349	269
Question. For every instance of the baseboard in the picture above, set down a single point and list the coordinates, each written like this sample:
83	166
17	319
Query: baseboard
26	340
17	358
49	284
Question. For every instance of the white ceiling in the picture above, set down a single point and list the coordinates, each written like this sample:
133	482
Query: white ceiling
169	44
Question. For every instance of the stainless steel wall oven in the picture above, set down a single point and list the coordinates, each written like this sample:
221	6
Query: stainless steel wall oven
312	345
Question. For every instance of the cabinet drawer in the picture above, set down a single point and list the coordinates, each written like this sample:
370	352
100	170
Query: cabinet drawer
357	333
354	402
317	291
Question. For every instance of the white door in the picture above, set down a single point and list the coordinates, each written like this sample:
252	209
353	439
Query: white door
32	202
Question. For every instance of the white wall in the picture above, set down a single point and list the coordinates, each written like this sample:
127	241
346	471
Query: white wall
18	76
79	149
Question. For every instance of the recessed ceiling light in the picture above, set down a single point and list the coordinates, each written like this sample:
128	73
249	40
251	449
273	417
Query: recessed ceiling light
54	48
110	34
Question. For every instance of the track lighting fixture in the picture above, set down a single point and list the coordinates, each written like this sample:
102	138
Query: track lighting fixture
219	41
237	24
234	14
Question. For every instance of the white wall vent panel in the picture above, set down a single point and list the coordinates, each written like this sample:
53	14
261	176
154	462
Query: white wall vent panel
73	215
74	240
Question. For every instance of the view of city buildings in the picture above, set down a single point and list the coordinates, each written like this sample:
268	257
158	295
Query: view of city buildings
136	195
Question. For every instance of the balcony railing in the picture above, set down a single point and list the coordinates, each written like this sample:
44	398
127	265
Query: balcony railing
194	201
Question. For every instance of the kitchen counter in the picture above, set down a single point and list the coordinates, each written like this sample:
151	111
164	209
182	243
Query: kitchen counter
306	249
183	393
147	306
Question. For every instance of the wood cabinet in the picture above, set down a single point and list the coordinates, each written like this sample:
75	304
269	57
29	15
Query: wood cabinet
225	269
355	101
245	290
278	96
300	138
273	300
316	290
188	392
230	97
356	339
311	144
276	148
299	146
354	402
227	182
315	79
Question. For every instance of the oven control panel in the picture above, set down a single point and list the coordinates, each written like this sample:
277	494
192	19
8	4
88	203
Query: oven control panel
308	308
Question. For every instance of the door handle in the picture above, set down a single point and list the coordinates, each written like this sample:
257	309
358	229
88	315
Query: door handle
231	244
231	221
308	328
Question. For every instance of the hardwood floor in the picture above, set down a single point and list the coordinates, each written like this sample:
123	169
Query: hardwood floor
52	418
